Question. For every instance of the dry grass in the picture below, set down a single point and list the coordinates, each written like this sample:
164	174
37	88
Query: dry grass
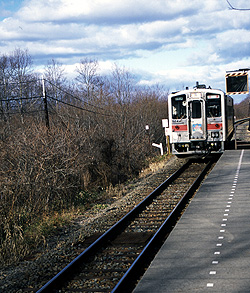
156	164
46	178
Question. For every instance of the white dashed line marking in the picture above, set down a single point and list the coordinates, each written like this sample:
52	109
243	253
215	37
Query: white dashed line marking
230	197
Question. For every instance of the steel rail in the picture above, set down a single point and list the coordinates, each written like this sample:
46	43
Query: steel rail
237	124
241	120
110	234
128	280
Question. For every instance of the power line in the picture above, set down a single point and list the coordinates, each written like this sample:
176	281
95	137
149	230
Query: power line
18	99
78	107
233	8
73	96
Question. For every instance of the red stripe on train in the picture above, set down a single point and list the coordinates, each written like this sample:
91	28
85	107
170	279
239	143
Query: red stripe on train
179	128
214	126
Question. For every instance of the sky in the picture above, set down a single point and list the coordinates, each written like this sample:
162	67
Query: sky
166	42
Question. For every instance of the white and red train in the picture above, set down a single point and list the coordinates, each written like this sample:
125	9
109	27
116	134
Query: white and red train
201	121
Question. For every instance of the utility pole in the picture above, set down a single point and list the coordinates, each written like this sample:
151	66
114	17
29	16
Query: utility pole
46	112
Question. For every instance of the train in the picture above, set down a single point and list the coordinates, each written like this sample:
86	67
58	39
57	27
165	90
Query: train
200	121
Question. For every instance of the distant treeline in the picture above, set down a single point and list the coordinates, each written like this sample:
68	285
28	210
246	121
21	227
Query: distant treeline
242	110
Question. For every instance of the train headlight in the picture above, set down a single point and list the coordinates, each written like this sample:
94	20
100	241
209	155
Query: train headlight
215	134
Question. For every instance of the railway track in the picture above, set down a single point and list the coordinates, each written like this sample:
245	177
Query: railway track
242	135
115	261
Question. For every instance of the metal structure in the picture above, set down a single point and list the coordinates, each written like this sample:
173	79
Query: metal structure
237	82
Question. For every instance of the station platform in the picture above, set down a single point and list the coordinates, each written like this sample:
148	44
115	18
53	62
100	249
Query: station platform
209	248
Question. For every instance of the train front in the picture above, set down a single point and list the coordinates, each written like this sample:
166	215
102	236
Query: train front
197	124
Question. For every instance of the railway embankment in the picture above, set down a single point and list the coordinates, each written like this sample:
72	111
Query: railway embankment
56	253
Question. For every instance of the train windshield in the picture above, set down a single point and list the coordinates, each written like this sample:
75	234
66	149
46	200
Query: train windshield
196	109
179	109
213	105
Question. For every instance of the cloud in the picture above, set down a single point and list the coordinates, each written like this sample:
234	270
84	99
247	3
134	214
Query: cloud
105	11
107	40
233	44
104	24
161	40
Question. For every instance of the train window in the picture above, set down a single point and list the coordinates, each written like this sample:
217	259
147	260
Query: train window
179	109
196	109
213	106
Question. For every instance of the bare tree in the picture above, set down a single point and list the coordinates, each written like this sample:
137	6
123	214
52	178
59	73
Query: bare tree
20	73
88	79
21	64
4	106
122	85
54	73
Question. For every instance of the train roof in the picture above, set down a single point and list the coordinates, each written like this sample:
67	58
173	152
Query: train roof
198	87
182	92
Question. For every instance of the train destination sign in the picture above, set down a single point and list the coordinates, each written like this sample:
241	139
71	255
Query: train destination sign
237	82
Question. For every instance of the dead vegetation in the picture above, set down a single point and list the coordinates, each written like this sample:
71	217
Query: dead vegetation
59	160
